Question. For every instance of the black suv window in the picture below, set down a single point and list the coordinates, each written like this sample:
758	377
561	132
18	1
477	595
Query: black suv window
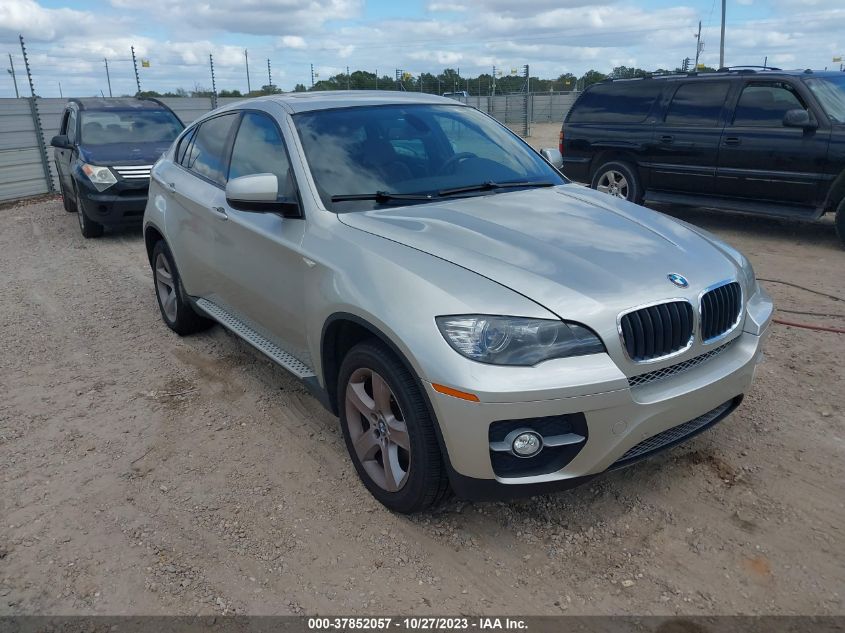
697	103
764	105
616	102
259	149
207	154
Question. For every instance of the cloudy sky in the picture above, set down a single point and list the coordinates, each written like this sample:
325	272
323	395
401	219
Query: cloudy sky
67	41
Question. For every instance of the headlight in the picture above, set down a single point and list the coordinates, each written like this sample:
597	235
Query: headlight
101	177
503	340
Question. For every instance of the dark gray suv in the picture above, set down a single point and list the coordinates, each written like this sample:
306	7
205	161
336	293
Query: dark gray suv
761	141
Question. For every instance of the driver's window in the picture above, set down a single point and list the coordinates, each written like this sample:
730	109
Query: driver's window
259	149
71	127
765	105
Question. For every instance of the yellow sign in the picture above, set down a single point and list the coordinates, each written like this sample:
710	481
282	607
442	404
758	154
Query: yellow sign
701	67
145	63
838	58
406	76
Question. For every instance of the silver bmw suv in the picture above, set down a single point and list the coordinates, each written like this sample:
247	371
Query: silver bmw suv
475	320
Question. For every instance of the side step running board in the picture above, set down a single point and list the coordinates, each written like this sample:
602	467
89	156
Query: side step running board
241	329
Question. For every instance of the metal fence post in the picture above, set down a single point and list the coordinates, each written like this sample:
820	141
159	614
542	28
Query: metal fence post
36	120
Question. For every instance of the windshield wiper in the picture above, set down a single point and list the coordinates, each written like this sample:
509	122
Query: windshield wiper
381	196
490	185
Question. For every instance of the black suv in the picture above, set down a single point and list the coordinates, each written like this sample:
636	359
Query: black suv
757	141
104	151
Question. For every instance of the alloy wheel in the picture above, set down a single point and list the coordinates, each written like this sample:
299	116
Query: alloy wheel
377	429
165	287
614	183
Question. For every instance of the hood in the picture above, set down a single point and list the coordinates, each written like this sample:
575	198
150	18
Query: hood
573	250
122	153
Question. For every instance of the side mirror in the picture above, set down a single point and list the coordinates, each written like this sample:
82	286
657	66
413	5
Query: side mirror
553	155
259	193
60	141
799	118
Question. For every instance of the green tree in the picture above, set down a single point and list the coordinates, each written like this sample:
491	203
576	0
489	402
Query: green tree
591	77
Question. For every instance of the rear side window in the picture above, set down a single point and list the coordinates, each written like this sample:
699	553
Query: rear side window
617	102
765	105
207	154
184	144
697	104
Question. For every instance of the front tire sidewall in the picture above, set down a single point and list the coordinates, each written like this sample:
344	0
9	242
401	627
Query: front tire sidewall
87	226
635	191
425	464
839	221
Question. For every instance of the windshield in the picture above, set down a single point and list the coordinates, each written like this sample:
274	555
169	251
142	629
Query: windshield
830	91
129	126
412	149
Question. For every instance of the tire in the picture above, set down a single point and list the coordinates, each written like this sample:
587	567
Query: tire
418	465
840	221
87	226
619	179
176	311
67	202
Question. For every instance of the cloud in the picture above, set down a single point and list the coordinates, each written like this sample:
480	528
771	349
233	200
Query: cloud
292	41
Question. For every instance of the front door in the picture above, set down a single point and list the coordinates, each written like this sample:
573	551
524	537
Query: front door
763	160
64	157
686	143
195	183
258	256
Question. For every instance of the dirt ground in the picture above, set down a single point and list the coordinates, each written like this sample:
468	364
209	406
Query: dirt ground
143	473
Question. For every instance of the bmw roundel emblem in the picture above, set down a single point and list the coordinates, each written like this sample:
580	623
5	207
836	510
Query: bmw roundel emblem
678	280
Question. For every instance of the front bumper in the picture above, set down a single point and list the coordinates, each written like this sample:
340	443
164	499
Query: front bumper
617	420
119	205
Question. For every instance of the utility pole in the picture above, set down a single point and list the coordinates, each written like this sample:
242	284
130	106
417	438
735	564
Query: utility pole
11	71
61	96
213	83
269	75
246	60
698	46
108	78
722	40
312	75
765	62
493	84
135	66
347	77
376	78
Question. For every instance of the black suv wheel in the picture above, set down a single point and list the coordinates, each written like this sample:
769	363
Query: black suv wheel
618	179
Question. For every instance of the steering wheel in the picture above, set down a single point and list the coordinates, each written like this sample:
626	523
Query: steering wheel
449	166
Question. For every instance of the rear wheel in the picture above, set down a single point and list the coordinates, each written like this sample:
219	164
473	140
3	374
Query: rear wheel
618	179
388	430
88	227
840	221
176	311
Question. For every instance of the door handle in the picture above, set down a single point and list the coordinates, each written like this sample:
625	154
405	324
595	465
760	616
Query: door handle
667	138
220	212
171	186
732	140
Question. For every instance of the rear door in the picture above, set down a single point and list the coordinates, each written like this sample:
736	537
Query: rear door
760	159
686	142
195	183
258	258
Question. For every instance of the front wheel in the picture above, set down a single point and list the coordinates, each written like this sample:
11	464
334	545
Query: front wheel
840	221
88	227
388	430
67	202
618	179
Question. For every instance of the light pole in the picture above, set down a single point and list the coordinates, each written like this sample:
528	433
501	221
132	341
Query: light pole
722	41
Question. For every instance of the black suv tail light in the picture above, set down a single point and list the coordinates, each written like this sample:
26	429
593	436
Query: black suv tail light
560	142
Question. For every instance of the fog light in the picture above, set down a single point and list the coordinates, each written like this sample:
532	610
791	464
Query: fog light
527	444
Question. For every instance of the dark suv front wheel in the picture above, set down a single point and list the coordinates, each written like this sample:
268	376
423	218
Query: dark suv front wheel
618	179
840	221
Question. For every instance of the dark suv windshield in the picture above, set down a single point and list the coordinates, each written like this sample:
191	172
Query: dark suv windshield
129	126
412	149
830	91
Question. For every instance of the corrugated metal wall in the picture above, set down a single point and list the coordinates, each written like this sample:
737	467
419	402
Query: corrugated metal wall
22	174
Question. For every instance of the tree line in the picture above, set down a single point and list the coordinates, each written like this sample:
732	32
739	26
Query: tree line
447	81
